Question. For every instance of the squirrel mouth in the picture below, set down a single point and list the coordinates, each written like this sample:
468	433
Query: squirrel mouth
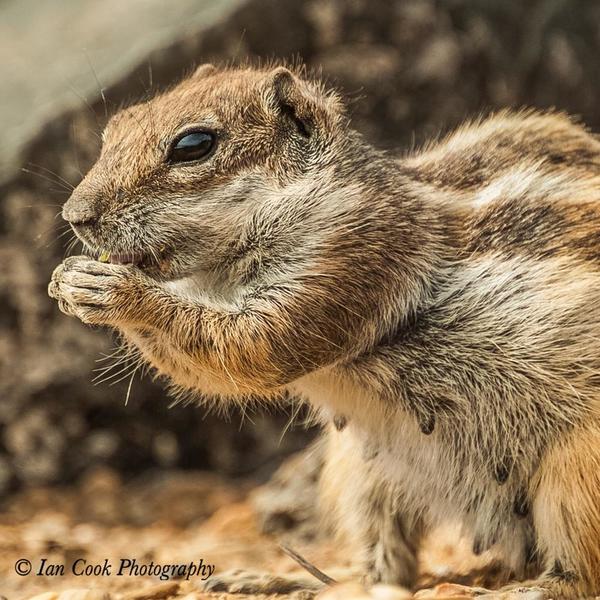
146	262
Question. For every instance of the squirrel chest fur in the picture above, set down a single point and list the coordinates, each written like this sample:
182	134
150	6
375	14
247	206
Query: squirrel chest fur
442	308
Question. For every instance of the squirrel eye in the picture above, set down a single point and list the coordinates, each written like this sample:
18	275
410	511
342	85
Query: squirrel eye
194	145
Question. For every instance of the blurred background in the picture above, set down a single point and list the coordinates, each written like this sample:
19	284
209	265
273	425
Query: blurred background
409	69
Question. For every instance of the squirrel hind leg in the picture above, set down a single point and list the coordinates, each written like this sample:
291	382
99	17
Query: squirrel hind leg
566	517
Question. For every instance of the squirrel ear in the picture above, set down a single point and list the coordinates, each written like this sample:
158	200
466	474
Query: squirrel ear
282	82
204	71
291	98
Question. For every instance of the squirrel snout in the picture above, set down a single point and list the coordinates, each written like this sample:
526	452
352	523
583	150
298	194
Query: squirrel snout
79	218
78	210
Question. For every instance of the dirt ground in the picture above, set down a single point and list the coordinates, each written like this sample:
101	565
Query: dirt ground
175	518
178	518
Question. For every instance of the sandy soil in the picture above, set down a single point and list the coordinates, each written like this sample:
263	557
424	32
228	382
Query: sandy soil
175	519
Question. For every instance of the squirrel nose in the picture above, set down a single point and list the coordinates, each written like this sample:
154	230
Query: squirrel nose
79	211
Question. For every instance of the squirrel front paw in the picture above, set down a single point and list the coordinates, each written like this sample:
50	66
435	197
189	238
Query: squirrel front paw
97	293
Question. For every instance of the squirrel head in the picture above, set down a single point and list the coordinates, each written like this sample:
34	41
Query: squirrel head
180	175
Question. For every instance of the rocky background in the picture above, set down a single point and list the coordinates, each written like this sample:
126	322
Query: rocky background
408	68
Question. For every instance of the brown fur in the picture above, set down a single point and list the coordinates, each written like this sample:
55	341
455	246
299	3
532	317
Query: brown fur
442	309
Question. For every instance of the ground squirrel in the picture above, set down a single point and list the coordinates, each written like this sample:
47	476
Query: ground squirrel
441	310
